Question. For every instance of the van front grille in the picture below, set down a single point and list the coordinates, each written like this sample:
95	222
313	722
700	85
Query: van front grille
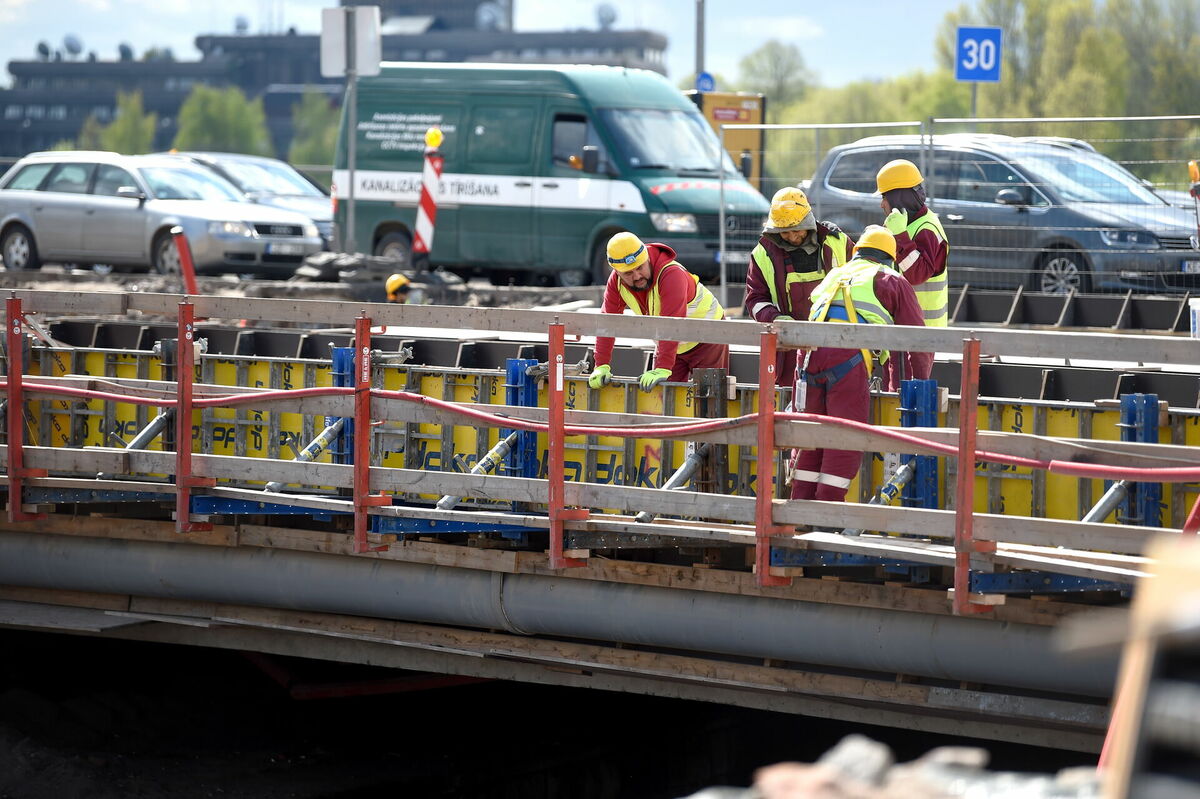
739	225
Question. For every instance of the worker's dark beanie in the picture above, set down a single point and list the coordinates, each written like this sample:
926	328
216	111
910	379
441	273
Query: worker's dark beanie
874	255
908	200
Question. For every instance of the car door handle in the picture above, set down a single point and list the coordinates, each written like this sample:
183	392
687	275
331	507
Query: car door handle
549	185
522	184
38	207
955	217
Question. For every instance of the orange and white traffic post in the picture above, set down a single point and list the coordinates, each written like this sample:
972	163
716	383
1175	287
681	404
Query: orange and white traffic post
427	207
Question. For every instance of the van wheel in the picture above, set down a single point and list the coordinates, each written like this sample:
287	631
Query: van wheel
572	278
1060	271
600	268
395	246
19	250
164	255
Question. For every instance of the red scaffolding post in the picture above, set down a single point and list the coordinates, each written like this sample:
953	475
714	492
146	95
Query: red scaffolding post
556	439
15	416
364	500
965	544
185	374
764	521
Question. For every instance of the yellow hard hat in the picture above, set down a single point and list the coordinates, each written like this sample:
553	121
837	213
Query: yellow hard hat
626	252
789	211
396	284
877	237
898	174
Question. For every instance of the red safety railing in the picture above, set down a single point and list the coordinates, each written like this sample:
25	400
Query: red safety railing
185	376
364	500
14	338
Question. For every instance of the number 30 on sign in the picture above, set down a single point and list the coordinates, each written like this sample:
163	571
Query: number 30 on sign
977	56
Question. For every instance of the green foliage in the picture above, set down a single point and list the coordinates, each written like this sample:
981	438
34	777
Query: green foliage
90	135
776	70
64	144
315	122
222	120
132	131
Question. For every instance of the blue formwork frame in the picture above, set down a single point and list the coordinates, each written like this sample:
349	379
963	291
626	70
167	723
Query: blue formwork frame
919	408
341	449
520	389
1139	422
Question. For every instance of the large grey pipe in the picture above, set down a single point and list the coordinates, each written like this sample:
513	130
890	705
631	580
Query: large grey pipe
887	641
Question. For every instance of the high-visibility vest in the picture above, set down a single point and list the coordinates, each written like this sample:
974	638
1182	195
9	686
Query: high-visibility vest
837	244
703	306
933	295
852	283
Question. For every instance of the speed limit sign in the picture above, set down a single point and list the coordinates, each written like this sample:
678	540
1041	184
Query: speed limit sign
977	56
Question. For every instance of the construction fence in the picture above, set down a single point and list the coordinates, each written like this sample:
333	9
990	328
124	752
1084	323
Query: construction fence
1082	204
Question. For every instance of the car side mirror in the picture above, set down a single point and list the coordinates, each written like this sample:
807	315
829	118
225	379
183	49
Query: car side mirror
591	159
747	164
1010	197
132	193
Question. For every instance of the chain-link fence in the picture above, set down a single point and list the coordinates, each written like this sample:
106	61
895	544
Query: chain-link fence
1051	205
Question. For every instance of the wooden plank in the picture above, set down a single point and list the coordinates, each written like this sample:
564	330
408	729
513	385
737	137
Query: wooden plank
1040	343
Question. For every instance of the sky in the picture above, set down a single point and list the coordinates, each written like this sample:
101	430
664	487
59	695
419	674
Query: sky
841	41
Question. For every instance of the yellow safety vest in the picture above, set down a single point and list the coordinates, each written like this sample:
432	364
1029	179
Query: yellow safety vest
837	244
703	306
852	286
933	295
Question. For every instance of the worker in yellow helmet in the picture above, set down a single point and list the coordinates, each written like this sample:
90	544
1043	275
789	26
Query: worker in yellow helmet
833	381
647	280
792	256
397	288
921	244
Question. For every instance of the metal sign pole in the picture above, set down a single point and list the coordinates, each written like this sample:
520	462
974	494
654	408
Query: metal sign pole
350	242
721	221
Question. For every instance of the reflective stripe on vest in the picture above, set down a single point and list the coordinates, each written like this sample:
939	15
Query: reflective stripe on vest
703	306
933	295
767	267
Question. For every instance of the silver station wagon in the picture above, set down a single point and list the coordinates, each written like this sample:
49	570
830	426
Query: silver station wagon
105	208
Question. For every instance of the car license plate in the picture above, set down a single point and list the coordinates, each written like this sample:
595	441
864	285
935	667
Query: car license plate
1191	267
285	249
734	257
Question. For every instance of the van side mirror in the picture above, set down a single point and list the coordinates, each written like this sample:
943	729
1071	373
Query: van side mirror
747	164
1010	197
591	159
131	193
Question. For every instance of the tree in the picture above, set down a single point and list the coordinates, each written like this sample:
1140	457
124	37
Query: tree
315	122
90	135
132	131
222	120
778	71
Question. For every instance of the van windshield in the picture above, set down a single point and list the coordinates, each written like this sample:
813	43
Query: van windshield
1087	178
653	138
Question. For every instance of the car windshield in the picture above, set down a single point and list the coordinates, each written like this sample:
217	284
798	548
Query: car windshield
1083	177
187	183
256	177
651	138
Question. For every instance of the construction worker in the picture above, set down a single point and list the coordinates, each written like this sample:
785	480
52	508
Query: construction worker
647	280
397	288
921	243
792	256
834	381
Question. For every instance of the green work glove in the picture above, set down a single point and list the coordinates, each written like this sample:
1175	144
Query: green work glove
650	379
784	318
601	376
896	222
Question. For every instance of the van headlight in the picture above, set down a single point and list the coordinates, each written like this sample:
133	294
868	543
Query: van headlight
230	229
1133	239
674	223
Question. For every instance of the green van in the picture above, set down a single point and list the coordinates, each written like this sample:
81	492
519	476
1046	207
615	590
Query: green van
542	165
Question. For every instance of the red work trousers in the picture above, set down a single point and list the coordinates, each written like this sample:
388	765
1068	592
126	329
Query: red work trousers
826	473
703	356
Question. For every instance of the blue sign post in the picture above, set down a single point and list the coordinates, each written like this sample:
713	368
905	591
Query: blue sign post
977	57
705	82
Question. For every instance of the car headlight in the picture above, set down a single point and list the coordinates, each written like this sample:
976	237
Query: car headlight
1135	239
310	231
230	229
674	223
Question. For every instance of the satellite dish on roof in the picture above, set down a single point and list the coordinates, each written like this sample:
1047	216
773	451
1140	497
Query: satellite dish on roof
43	51
606	16
490	16
72	44
125	52
241	25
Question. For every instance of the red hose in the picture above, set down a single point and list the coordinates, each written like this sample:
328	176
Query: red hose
1169	474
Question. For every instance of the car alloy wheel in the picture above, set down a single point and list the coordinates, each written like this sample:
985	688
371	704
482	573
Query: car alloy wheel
1060	273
